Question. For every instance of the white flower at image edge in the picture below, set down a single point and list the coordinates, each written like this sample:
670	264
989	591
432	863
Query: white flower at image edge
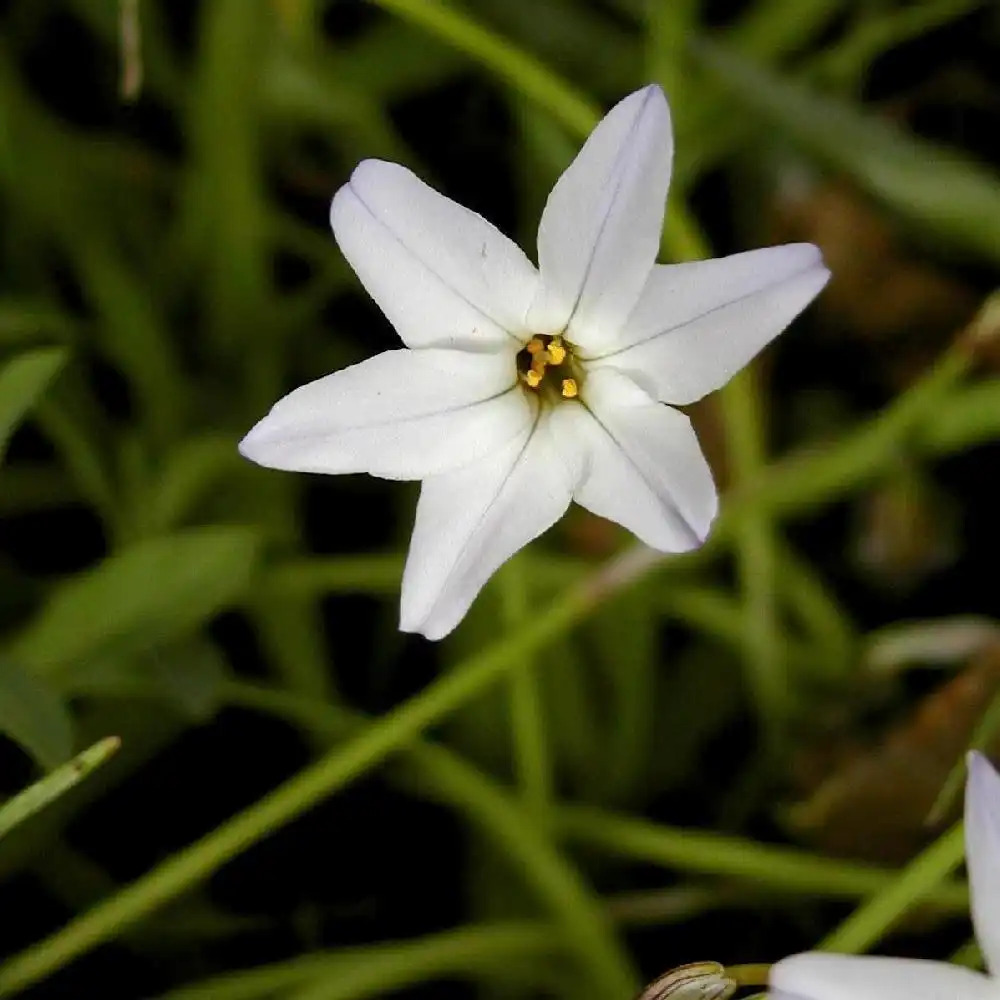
521	389
818	976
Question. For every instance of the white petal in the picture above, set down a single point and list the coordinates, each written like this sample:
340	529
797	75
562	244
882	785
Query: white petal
471	521
401	415
442	275
643	466
600	230
698	324
818	976
982	851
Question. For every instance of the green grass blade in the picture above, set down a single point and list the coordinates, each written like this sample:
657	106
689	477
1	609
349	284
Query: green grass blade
939	192
22	380
60	781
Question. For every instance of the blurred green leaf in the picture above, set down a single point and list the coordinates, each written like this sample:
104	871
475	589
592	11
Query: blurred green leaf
772	28
34	716
970	417
188	675
60	781
300	86
940	192
189	473
24	321
22	380
623	638
133	334
385	64
150	593
877	31
496	951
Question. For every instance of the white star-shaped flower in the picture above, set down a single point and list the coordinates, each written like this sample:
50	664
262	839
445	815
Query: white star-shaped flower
521	389
819	976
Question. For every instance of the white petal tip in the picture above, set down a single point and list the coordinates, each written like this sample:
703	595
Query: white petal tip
653	92
413	626
250	446
653	103
983	779
262	447
337	205
365	171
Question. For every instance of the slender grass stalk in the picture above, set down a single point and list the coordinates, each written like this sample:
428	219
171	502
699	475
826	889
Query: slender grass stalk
442	774
969	954
331	773
532	763
779	868
56	783
921	877
353	973
518	69
832	643
706	609
668	26
756	560
984	733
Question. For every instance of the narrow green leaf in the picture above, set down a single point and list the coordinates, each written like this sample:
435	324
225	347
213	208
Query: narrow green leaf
187	675
876	31
191	471
60	781
26	321
937	190
771	28
874	918
34	716
970	417
152	592
490	951
22	380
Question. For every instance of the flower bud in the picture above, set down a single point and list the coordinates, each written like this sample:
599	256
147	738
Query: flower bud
695	981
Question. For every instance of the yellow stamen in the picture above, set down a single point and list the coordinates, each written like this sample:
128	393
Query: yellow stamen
533	346
569	388
557	353
533	378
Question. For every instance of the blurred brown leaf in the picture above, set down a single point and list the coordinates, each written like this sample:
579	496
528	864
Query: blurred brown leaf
874	802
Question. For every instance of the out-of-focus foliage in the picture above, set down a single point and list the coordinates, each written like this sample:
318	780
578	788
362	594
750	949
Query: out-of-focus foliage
619	763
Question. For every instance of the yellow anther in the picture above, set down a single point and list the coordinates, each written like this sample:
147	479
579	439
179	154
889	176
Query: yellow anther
533	378
557	353
534	346
569	388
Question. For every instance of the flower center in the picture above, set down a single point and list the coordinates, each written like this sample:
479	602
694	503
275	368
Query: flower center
546	367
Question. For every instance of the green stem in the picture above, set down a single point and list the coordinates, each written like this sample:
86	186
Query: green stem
918	881
814	476
781	868
363	972
556	883
332	772
982	736
519	70
756	560
532	765
832	641
441	774
749	975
